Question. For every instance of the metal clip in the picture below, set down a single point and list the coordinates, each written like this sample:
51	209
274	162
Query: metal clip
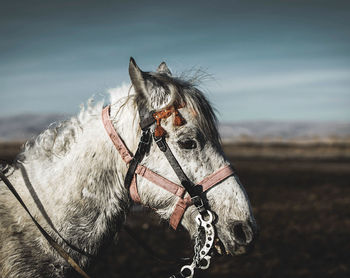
198	202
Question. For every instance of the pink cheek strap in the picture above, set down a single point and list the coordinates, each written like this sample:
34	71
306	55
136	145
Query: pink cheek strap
184	201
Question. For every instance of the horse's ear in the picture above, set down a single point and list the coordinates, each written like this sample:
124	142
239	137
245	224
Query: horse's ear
151	93
163	68
136	76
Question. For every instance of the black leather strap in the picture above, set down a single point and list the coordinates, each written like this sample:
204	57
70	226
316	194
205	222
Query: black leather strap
195	191
142	149
146	117
146	120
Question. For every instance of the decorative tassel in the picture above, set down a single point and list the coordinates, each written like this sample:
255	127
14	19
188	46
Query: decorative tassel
178	120
159	131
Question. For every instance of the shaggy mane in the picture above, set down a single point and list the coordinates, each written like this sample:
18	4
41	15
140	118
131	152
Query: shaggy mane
57	139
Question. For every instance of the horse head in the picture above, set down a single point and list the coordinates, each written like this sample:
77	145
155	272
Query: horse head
186	121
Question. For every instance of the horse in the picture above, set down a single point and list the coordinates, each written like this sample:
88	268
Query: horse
72	178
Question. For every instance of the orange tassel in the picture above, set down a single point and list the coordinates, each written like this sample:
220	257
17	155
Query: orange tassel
159	131
178	120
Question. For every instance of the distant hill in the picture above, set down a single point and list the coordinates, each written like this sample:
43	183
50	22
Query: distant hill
22	127
289	131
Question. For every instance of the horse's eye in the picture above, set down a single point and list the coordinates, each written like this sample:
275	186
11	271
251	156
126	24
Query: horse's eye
187	144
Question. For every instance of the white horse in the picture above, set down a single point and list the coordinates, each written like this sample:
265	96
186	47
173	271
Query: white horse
71	177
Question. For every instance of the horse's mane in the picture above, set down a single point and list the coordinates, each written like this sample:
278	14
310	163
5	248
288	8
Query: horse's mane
57	139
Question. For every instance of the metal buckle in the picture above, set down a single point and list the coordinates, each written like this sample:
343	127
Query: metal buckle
159	141
198	202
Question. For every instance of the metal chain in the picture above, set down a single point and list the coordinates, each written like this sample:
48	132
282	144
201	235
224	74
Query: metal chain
197	248
201	259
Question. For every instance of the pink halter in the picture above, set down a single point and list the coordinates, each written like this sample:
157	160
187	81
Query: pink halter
184	201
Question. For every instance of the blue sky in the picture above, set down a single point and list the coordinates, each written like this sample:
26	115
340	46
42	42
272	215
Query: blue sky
269	60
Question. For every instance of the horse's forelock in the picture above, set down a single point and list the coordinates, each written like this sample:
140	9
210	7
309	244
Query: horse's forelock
203	114
184	90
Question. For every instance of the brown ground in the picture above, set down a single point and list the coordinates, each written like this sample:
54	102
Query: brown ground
301	203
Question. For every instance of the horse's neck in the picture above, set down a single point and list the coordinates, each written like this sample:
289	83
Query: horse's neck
82	193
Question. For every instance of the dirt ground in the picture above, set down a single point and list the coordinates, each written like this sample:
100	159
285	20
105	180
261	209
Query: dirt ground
302	207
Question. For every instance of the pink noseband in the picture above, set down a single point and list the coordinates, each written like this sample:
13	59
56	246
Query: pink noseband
184	201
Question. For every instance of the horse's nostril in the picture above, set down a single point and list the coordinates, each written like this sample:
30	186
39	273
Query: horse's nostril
239	233
242	232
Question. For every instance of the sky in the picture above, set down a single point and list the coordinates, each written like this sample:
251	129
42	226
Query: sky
266	60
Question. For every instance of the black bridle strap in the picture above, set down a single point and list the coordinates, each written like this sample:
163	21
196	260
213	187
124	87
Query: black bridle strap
146	120
142	149
52	242
146	117
193	190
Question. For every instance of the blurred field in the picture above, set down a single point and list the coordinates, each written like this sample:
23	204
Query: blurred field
300	193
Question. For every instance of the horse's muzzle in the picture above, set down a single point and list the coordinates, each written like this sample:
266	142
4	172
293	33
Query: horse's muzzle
244	234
